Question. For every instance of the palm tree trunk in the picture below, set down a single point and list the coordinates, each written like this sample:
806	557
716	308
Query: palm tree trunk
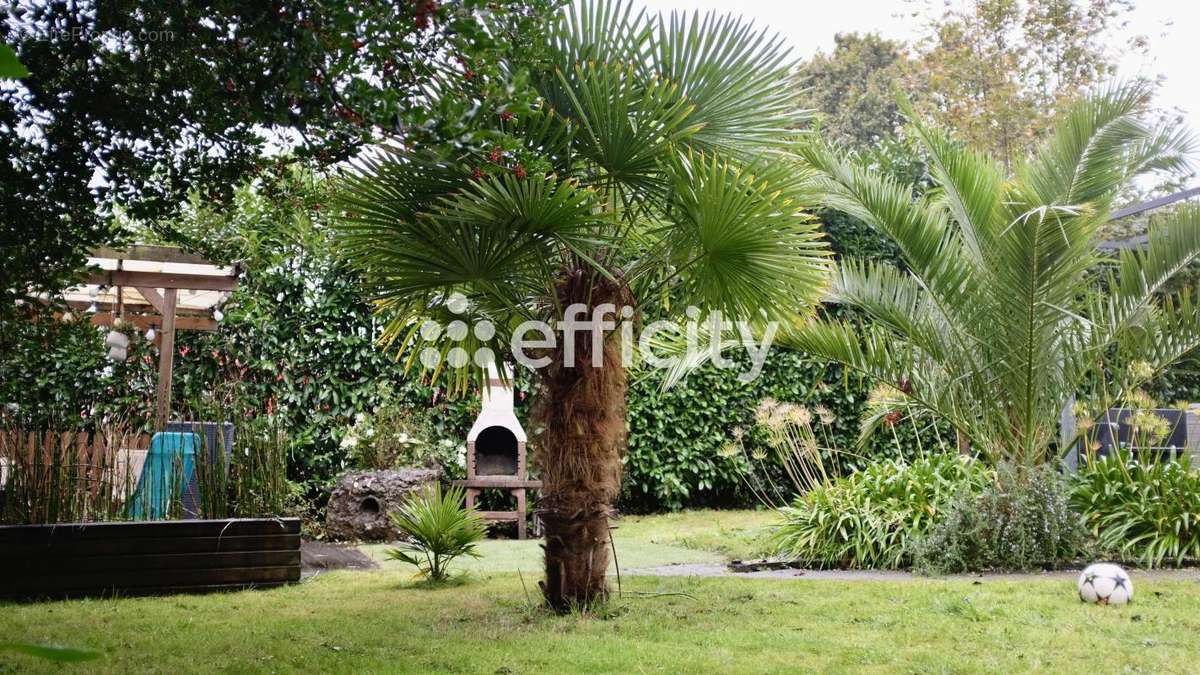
581	415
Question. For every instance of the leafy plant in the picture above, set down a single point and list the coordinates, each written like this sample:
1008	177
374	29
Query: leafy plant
398	433
869	519
1021	521
440	530
997	319
1141	510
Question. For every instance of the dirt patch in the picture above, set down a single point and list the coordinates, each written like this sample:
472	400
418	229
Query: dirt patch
320	556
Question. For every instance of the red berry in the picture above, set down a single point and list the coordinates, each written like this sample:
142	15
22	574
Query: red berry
519	170
506	116
495	155
477	173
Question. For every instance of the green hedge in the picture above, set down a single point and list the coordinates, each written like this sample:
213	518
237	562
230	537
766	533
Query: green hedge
674	436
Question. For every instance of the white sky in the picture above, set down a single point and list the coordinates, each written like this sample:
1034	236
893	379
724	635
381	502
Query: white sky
1172	26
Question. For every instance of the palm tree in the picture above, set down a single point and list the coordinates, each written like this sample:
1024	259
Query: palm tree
1007	307
669	184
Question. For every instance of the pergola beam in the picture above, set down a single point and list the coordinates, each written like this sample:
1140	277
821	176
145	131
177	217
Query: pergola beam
135	309
144	322
152	296
166	360
195	282
166	254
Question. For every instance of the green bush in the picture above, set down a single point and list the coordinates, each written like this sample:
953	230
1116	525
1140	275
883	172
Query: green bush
1021	521
870	519
1148	512
398	434
673	458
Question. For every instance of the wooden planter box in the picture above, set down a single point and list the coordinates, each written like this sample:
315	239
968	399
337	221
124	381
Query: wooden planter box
147	558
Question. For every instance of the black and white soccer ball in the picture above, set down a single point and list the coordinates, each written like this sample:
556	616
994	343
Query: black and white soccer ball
1105	584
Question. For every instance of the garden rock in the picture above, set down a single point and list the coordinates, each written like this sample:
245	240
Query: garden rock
361	501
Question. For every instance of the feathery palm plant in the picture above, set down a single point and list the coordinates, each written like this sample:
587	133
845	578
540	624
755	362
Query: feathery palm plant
440	530
667	184
1000	317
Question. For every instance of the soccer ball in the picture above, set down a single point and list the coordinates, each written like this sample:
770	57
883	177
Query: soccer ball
1105	584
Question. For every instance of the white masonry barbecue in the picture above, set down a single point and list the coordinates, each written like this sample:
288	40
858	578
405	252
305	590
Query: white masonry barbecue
496	458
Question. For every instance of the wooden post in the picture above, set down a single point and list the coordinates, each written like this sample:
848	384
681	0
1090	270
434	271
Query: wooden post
520	492
166	359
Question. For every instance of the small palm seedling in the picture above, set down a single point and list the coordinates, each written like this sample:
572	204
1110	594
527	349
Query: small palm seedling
440	530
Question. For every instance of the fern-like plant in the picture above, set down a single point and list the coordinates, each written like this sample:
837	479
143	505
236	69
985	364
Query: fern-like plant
440	530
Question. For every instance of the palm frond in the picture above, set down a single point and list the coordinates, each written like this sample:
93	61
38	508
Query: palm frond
626	125
895	300
970	184
592	31
730	75
740	239
1099	146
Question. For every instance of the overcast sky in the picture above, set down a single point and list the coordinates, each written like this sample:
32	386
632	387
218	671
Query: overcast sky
1173	27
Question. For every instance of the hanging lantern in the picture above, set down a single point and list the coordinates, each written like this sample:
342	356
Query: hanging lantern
217	315
118	345
150	334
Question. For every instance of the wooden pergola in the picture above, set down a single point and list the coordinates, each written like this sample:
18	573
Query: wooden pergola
157	287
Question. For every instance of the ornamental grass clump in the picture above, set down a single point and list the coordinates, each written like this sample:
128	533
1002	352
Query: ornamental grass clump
1144	511
440	530
871	518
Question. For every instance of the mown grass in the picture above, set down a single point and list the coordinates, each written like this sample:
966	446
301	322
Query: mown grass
701	536
381	622
733	535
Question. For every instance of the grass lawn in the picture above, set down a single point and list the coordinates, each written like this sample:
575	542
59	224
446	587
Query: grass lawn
383	621
701	536
375	621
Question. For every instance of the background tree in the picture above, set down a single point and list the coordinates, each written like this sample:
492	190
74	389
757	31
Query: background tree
658	176
999	320
132	103
853	88
998	72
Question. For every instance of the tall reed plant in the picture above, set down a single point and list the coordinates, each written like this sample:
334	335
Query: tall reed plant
52	476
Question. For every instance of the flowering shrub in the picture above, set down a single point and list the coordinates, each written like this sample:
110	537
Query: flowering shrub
397	435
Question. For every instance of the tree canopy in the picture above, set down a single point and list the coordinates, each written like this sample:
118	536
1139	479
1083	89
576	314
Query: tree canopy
131	104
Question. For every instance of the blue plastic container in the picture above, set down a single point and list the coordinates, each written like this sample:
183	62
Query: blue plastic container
169	469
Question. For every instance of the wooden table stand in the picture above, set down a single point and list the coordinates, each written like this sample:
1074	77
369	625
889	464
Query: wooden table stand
514	486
